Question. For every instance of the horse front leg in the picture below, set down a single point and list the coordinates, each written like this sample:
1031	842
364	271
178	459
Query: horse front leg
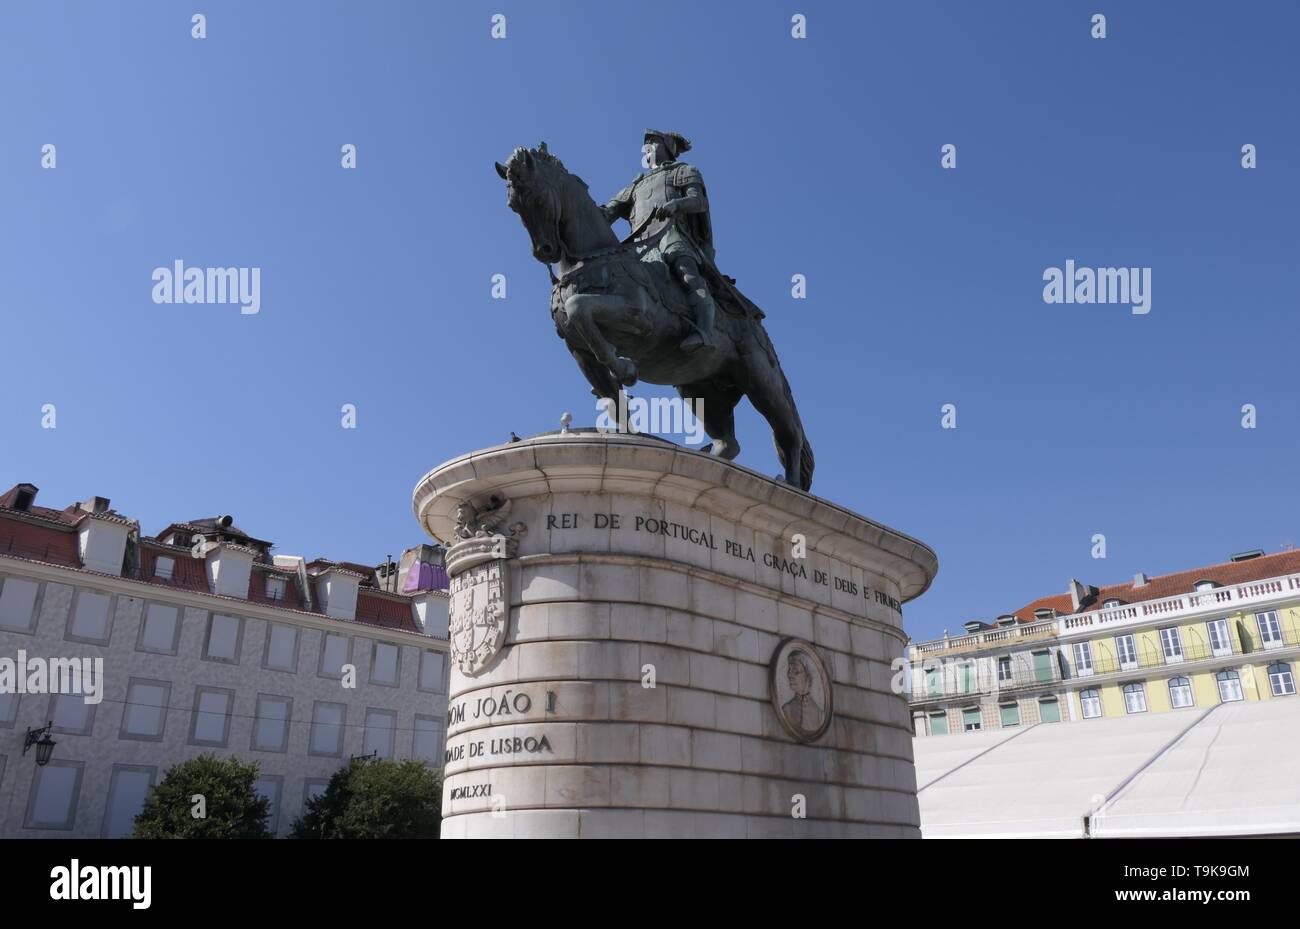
581	313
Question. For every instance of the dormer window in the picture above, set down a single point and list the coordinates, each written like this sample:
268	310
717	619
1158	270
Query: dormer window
1043	613
164	567
24	499
973	626
1112	602
1206	585
275	588
1006	620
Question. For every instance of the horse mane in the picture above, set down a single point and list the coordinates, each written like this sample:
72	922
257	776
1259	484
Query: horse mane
540	156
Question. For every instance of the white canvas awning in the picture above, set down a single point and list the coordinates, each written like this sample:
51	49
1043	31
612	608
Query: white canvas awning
1232	769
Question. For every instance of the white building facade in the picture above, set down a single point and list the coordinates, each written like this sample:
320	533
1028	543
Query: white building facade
297	684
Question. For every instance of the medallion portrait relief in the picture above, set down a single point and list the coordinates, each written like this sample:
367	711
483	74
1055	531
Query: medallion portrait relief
801	690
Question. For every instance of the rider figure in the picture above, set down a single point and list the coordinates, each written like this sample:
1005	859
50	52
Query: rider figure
670	198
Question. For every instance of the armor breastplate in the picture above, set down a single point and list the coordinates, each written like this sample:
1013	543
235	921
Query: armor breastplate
651	191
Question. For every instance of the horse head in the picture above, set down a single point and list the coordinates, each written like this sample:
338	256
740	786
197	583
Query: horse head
534	189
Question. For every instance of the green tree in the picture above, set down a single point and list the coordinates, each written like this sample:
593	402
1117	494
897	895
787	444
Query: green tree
375	799
205	798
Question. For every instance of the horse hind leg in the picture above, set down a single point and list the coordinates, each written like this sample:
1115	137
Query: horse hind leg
770	394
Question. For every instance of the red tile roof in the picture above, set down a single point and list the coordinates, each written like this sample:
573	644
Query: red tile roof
1168	585
383	611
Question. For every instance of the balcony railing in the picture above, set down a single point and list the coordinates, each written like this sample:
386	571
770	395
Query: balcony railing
999	636
1148	658
1228	599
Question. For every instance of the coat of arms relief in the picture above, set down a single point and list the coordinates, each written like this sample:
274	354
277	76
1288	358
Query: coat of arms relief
480	582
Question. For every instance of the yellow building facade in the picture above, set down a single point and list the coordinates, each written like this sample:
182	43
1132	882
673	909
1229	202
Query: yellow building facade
1220	634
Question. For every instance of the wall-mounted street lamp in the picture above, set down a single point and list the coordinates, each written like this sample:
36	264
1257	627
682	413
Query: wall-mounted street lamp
44	744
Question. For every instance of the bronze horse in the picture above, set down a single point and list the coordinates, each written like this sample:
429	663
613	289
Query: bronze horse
624	318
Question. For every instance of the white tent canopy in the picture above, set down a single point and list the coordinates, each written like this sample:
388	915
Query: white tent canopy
1232	769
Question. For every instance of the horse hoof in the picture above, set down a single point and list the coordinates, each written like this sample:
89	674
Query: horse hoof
625	371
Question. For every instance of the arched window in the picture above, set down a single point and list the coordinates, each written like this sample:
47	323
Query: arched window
1281	679
1180	692
1090	700
1229	686
1135	698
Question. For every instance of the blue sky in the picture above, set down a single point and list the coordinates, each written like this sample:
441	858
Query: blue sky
822	158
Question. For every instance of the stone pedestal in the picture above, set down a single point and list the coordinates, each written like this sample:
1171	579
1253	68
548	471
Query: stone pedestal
648	641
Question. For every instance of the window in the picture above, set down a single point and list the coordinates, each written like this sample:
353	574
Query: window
383	664
270	787
933	681
1010	714
128	786
380	726
271	725
1004	669
71	714
431	665
89	619
18	604
970	719
1049	709
281	648
211	718
164	567
1135	698
1280	679
1127	652
158	632
938	724
1042	666
428	740
1172	644
1229	686
1082	658
8	709
145	714
1180	692
967	670
327	721
335	652
1220	641
1090	701
223	639
1270	633
52	803
275	588
312	788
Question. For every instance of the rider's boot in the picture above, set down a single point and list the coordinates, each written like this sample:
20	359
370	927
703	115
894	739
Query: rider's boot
702	307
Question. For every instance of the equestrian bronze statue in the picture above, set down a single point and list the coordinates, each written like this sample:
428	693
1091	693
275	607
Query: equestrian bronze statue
654	306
